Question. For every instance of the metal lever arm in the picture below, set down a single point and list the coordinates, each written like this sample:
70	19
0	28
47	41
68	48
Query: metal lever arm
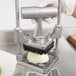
38	13
38	30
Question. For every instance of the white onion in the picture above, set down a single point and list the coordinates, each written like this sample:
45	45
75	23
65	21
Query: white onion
37	58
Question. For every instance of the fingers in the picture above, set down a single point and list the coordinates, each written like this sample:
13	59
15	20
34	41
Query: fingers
33	21
48	20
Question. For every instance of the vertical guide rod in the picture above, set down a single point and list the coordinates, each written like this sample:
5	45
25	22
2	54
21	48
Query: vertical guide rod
58	20
59	12
17	24
17	13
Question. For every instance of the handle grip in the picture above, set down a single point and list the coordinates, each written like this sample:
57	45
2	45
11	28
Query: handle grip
38	12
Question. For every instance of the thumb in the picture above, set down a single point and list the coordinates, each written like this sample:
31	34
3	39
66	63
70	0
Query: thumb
48	20
33	21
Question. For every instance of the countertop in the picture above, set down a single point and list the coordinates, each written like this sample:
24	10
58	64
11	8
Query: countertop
7	62
67	59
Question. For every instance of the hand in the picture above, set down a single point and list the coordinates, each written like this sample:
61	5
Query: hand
46	3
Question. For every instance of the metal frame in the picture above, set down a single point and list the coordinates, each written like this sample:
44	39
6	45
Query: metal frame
56	34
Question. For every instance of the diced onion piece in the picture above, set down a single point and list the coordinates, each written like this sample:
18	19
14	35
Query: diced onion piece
37	58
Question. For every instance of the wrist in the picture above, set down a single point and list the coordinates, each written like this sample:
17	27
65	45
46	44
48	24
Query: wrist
63	6
69	6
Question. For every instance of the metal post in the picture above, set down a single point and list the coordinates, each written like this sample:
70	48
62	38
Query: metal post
17	13
19	55
59	12
58	20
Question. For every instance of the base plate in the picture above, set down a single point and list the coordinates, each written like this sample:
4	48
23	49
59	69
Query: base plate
41	68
